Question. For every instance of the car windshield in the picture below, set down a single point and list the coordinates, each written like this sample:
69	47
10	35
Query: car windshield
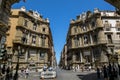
50	69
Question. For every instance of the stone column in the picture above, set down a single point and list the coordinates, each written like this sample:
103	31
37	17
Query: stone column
28	37
26	55
46	57
39	40
93	59
38	53
80	41
81	57
91	40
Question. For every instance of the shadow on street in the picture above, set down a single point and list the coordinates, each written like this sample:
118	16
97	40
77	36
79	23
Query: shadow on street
90	76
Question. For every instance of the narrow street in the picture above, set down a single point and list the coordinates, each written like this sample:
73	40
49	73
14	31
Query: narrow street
62	75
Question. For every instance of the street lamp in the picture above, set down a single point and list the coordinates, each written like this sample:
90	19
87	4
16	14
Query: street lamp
17	66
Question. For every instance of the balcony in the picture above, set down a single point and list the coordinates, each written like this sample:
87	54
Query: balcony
28	43
108	30
116	42
17	39
102	42
99	26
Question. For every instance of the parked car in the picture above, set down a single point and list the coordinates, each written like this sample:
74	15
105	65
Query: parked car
48	73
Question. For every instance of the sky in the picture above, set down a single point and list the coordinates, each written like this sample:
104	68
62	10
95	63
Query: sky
60	12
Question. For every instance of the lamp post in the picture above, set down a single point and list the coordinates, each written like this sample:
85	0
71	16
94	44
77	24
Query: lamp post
17	66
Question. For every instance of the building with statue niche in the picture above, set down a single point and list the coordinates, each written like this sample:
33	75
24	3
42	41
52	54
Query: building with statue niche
93	38
29	39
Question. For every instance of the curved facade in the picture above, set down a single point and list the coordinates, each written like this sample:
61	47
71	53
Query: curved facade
29	39
93	38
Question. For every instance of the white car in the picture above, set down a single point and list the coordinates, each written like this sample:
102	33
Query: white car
48	73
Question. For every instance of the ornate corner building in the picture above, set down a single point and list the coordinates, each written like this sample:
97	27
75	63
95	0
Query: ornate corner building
93	38
29	39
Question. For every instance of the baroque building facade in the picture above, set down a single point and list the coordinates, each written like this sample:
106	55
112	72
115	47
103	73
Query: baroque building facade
29	40
93	39
5	11
63	58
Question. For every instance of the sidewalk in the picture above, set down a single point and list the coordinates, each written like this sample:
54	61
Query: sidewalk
91	76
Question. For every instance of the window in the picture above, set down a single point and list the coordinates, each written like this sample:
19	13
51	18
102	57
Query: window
77	56
34	26
22	56
109	38
76	41
107	24
42	55
85	39
112	50
24	38
93	24
28	54
118	36
43	29
25	23
118	29
75	30
34	39
95	38
43	40
117	23
84	28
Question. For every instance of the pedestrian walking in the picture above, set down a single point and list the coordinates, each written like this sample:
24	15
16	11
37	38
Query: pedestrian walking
110	68
11	72
119	71
22	72
115	73
8	73
27	72
89	68
98	72
3	69
105	72
82	69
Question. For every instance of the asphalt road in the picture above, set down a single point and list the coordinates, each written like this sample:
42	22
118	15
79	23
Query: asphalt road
62	75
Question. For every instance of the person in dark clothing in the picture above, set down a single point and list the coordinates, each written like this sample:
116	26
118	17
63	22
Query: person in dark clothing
110	72
7	73
119	69
105	72
11	72
98	72
3	69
